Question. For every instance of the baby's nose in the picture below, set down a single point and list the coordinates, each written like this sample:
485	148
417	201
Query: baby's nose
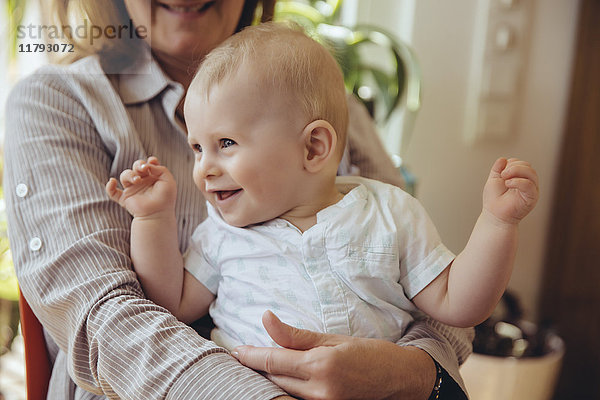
208	166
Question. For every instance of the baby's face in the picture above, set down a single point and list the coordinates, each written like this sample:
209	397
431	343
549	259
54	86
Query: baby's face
249	150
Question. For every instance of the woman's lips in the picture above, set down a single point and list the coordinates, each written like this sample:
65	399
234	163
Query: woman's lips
183	9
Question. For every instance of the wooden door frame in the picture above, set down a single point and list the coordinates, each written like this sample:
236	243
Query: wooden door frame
570	295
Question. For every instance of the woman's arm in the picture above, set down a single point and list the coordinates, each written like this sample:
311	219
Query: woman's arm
70	246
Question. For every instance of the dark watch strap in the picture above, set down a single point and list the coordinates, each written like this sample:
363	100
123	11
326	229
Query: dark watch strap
435	393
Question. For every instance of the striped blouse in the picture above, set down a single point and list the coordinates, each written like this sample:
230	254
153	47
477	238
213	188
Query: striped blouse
71	128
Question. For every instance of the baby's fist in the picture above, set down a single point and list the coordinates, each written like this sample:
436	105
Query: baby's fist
511	191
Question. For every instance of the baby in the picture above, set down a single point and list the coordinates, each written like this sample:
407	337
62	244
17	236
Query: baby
267	116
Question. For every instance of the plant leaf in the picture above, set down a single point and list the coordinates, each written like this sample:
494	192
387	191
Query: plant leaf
15	9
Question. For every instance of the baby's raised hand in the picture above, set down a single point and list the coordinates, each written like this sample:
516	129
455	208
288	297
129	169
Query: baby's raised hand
511	190
149	189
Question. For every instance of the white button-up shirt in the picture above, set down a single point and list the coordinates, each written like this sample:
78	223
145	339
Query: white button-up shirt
352	273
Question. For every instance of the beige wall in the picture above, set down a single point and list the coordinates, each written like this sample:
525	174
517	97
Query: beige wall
450	172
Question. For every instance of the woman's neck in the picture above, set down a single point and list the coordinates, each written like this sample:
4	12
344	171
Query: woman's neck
179	69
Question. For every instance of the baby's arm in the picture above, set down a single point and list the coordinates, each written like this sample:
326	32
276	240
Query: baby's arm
149	193
467	291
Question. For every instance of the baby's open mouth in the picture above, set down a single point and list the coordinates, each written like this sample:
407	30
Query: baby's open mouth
225	194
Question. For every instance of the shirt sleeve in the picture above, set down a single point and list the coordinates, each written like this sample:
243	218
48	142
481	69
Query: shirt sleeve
70	246
424	258
423	255
449	346
199	260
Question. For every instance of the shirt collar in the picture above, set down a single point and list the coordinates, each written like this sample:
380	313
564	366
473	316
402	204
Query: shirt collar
355	195
144	80
354	192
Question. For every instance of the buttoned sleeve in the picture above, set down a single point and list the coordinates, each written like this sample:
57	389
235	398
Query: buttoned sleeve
70	246
423	255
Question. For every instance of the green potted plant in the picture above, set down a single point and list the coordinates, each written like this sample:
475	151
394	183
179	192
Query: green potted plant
15	10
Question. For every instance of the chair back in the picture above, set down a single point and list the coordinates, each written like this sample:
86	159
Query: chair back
38	367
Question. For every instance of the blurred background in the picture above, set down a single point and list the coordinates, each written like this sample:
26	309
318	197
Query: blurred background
516	78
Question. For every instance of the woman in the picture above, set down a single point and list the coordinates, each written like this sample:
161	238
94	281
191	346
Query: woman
100	114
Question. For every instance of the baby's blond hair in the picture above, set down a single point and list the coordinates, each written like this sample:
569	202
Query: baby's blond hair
284	58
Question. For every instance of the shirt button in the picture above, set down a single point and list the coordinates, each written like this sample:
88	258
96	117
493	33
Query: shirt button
35	244
22	190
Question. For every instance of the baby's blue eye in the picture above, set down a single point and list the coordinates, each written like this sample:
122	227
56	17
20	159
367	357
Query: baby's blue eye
197	148
227	143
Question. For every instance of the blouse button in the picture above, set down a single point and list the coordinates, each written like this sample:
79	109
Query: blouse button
35	244
22	190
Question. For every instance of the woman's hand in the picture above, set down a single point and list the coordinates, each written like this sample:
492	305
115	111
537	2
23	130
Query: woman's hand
324	366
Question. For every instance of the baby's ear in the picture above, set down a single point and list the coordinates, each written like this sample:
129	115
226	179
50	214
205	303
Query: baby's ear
320	140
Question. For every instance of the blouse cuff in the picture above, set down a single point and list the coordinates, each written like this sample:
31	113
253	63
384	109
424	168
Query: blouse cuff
446	345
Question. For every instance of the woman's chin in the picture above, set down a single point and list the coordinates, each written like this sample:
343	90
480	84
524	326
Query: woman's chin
181	49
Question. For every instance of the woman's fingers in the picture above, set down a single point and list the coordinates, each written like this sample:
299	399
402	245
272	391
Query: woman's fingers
290	337
294	386
272	360
299	339
282	361
291	360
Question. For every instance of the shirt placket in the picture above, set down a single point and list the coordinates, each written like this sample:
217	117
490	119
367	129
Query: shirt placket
329	289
